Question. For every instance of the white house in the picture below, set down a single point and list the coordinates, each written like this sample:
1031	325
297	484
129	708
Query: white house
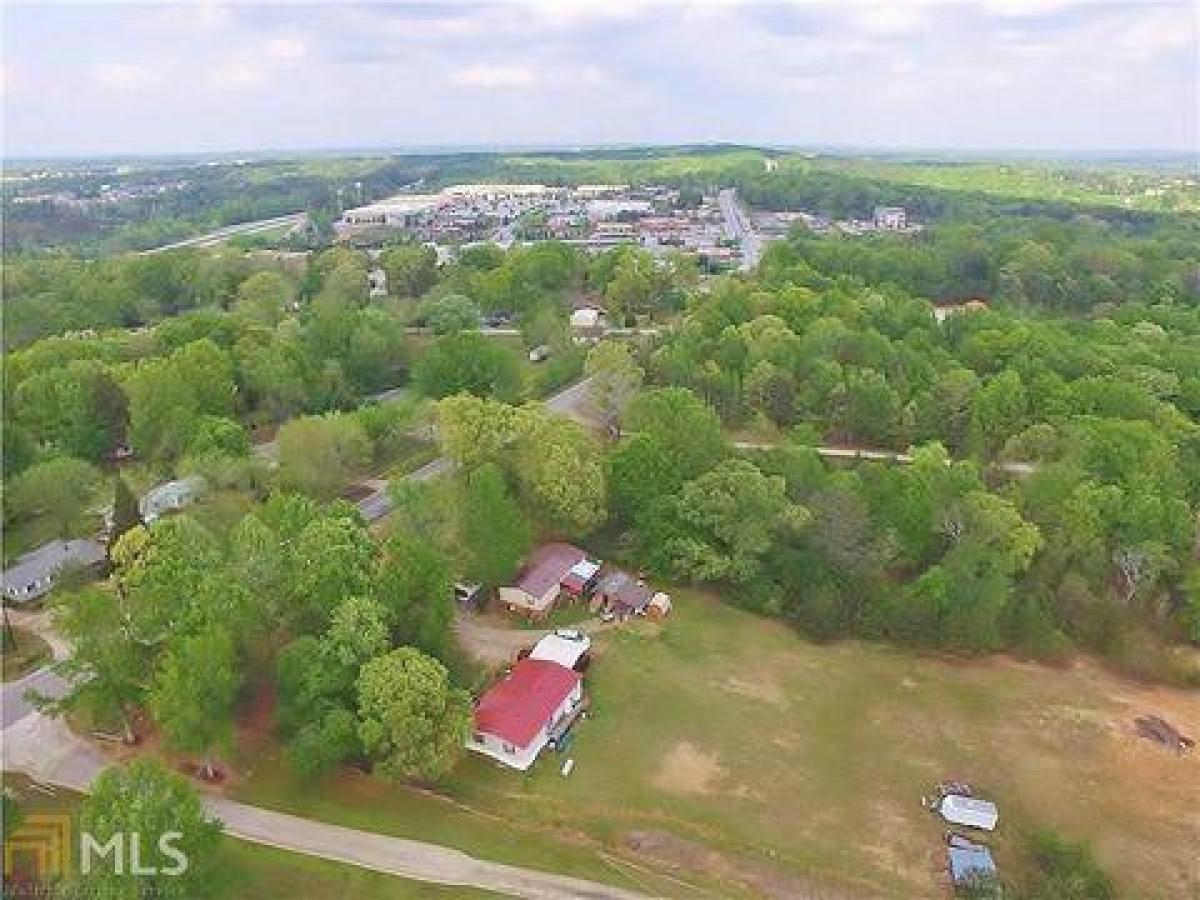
890	218
534	705
587	318
169	497
33	575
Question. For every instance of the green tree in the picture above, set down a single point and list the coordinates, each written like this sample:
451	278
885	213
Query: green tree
178	841
193	693
473	429
264	297
615	380
468	362
106	670
320	455
413	583
126	514
492	528
332	559
732	516
61	489
560	471
412	722
450	313
686	428
411	269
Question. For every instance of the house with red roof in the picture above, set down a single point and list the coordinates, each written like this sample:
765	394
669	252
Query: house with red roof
534	705
541	579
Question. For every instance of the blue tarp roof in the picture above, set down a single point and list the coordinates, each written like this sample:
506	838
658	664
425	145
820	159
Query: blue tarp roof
970	862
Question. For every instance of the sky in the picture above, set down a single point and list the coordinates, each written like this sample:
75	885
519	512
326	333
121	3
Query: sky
1070	76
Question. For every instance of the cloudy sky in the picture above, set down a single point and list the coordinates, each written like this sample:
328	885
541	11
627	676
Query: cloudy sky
1044	75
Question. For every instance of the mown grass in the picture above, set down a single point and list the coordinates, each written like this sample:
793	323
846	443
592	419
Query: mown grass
731	731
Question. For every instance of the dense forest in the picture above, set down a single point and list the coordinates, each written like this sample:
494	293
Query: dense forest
1046	501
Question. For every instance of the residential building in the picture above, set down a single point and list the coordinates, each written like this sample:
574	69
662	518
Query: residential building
171	496
533	706
538	586
33	575
890	218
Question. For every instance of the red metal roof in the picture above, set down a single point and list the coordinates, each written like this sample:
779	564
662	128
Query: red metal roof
518	707
547	567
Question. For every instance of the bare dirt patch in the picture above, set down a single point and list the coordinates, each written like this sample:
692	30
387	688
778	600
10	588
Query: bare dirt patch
761	878
689	770
763	689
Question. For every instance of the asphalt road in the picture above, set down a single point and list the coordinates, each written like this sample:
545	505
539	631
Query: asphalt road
738	227
220	234
16	706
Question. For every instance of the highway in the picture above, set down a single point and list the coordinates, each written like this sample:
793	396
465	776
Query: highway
221	234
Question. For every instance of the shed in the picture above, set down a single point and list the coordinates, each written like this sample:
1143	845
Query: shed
537	587
33	575
622	594
659	606
969	811
969	862
587	318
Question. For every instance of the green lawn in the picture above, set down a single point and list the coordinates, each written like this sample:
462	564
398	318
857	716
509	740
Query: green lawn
753	758
256	872
28	653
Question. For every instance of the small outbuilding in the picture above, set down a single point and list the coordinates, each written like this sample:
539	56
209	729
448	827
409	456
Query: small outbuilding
622	595
659	606
969	811
587	318
970	864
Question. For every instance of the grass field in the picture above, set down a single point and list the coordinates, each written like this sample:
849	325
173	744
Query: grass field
29	652
733	753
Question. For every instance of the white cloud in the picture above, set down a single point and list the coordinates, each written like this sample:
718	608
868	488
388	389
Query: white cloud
287	49
123	77
236	76
485	76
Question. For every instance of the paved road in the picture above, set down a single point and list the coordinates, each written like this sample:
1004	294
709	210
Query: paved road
833	452
221	234
739	227
16	706
46	750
